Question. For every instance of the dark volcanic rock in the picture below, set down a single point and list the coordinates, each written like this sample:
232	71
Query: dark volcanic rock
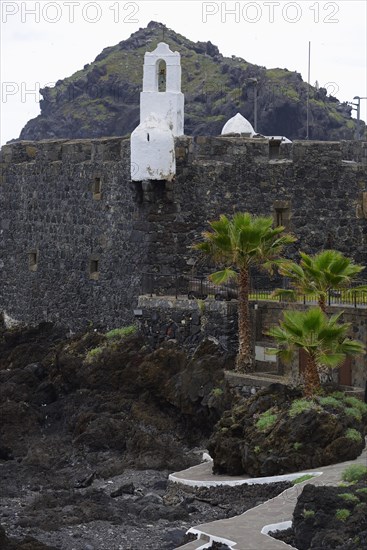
19	422
103	98
329	518
5	453
70	486
315	437
125	489
29	543
145	405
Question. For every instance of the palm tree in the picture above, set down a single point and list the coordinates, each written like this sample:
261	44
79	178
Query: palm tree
238	244
322	338
318	274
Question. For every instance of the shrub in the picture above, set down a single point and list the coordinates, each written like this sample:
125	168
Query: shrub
355	472
342	514
308	513
355	413
362	490
338	395
266	420
301	405
356	404
93	354
354	435
217	392
297	446
121	332
330	401
201	305
349	497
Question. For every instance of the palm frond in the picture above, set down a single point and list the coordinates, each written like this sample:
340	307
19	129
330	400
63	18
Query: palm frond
324	338
331	360
284	293
286	354
220	277
318	274
352	347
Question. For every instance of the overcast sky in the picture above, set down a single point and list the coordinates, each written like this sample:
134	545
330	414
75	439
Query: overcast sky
44	41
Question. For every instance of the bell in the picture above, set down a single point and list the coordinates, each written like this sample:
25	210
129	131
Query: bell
162	77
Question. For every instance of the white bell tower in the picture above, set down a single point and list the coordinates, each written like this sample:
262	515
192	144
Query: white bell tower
162	88
161	117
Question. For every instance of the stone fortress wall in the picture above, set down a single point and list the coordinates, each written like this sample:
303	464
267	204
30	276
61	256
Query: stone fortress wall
77	235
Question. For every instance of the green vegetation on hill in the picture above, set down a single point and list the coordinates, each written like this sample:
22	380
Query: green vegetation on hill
102	99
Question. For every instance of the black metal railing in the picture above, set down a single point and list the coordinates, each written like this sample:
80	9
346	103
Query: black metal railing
161	285
261	288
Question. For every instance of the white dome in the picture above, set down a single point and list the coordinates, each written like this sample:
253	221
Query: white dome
238	125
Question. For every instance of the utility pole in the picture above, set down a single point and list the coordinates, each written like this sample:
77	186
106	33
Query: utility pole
255	82
255	105
357	107
308	91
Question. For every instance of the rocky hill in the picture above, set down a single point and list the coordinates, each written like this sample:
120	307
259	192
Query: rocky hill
102	99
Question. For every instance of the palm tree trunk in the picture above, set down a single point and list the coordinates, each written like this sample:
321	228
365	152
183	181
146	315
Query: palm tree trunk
311	377
244	361
322	306
322	303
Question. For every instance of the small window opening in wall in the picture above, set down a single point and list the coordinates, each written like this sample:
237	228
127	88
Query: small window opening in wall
278	217
97	188
148	137
94	269
33	260
281	213
274	149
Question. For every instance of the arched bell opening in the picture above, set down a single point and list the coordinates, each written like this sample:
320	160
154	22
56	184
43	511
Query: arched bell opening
161	75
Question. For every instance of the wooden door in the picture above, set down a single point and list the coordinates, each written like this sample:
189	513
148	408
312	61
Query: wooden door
345	373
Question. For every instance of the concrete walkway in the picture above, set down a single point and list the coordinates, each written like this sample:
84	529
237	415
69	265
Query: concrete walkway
248	531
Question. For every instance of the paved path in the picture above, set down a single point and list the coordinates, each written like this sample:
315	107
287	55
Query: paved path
247	531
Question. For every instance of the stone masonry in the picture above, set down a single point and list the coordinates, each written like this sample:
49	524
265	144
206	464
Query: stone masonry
76	235
187	322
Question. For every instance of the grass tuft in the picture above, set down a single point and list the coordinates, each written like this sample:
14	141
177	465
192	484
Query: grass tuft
354	413
301	479
348	497
354	435
93	354
301	405
356	404
266	420
355	472
122	332
330	401
308	514
342	514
